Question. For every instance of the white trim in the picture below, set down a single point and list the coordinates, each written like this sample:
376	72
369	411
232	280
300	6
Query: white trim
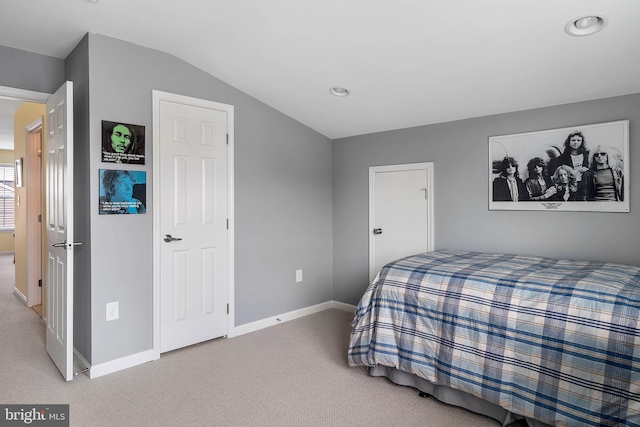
116	365
23	95
343	306
428	166
285	317
292	315
148	355
158	96
20	296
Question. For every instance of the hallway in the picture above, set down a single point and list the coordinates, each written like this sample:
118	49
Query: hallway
23	358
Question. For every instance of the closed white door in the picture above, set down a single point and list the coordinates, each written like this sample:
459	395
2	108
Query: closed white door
59	225
400	213
193	224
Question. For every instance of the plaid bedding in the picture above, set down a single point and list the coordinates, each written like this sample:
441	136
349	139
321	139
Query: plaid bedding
553	340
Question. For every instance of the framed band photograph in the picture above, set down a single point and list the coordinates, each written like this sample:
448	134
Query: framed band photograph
578	168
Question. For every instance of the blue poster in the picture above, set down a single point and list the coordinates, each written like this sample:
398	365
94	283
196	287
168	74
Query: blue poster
122	192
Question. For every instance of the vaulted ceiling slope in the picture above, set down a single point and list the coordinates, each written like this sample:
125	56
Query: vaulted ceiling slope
405	62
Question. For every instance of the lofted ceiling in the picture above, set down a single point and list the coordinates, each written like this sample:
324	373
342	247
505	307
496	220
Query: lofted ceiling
406	62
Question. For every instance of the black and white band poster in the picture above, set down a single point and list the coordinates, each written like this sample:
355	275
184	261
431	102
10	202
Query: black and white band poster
578	168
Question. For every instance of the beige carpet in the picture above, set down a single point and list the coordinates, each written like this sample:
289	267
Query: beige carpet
293	374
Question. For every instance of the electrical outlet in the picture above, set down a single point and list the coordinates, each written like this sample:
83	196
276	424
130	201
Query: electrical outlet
113	310
298	276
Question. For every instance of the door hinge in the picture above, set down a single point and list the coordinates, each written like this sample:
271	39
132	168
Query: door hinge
227	308
39	218
39	283
227	139
227	223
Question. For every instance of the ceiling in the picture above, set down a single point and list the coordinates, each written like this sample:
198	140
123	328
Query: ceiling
406	62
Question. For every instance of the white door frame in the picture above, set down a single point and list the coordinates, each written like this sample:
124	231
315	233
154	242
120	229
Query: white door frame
33	163
159	96
373	170
23	95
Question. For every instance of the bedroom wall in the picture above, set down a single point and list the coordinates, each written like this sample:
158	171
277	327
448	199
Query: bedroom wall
459	151
30	71
283	215
77	71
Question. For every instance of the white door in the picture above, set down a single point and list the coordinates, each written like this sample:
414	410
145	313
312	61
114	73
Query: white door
400	213
194	213
59	225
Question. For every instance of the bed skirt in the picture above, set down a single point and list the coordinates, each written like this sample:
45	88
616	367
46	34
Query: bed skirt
451	396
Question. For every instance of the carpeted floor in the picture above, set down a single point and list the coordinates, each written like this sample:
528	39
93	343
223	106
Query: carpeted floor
292	374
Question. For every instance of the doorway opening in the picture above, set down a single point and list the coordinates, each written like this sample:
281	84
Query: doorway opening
35	194
24	143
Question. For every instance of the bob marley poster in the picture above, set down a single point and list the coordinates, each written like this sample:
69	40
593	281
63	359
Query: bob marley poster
122	143
122	192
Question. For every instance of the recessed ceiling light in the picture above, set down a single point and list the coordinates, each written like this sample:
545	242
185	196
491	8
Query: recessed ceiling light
585	25
339	91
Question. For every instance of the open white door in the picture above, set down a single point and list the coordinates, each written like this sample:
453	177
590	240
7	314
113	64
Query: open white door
59	220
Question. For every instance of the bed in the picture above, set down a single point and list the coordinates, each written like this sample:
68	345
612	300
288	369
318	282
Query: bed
552	342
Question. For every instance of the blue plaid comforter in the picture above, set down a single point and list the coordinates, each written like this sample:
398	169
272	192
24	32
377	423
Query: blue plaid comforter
553	340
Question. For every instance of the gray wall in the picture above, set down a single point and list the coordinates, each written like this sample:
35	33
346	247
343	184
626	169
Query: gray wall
283	215
287	200
459	151
77	71
30	71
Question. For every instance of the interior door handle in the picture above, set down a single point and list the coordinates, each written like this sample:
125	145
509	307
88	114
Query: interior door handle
66	245
168	238
377	231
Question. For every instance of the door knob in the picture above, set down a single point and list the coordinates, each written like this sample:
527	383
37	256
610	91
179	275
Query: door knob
168	238
377	231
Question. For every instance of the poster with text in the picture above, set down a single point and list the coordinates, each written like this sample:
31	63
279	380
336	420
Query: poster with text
122	192
122	143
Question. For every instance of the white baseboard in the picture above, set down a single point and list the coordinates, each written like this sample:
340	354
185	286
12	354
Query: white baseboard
285	317
343	306
147	356
112	366
20	296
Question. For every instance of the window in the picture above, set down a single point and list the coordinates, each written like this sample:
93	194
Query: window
7	197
